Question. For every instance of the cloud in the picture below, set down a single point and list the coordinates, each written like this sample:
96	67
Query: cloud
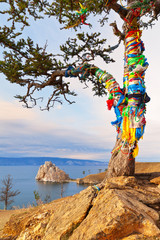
28	133
12	110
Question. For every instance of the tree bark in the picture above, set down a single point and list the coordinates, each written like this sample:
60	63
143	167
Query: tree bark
121	163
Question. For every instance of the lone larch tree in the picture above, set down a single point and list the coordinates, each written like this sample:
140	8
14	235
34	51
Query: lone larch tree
6	192
30	66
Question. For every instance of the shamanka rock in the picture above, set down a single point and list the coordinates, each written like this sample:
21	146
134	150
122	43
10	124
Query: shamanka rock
50	173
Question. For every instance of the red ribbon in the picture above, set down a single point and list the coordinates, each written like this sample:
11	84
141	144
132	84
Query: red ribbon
83	18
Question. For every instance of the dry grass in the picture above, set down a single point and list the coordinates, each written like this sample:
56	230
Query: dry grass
147	167
98	176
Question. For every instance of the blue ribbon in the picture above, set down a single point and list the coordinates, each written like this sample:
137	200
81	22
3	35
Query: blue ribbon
134	88
117	112
140	132
66	72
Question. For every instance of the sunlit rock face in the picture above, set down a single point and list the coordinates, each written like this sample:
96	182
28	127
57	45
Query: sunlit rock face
125	208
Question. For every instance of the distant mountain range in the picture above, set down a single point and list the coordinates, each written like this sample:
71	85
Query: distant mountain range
37	161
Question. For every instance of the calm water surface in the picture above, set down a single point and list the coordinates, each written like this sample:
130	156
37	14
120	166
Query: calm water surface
24	181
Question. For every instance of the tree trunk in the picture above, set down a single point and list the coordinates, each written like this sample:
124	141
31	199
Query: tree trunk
131	129
121	163
5	205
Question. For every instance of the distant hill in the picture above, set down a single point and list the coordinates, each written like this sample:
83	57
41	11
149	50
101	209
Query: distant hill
37	161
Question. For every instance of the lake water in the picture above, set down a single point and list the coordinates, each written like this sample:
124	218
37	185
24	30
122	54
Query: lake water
24	181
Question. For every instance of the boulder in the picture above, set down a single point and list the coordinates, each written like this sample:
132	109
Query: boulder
126	208
50	173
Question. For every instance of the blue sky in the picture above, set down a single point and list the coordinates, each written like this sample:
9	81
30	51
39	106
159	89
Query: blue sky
81	130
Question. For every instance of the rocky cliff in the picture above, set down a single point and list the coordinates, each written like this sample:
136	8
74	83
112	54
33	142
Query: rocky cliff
126	208
50	173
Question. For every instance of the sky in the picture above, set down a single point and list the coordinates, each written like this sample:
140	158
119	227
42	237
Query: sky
81	130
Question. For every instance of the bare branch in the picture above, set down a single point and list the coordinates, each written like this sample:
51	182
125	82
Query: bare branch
60	88
56	80
52	100
117	32
117	8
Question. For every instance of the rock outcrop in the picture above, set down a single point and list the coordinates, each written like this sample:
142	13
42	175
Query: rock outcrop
126	208
92	179
156	181
50	173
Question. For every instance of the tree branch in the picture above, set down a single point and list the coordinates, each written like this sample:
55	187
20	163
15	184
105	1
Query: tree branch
61	88
117	32
117	8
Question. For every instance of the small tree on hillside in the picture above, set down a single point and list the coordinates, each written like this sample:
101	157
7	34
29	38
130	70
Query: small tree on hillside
6	193
37	198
